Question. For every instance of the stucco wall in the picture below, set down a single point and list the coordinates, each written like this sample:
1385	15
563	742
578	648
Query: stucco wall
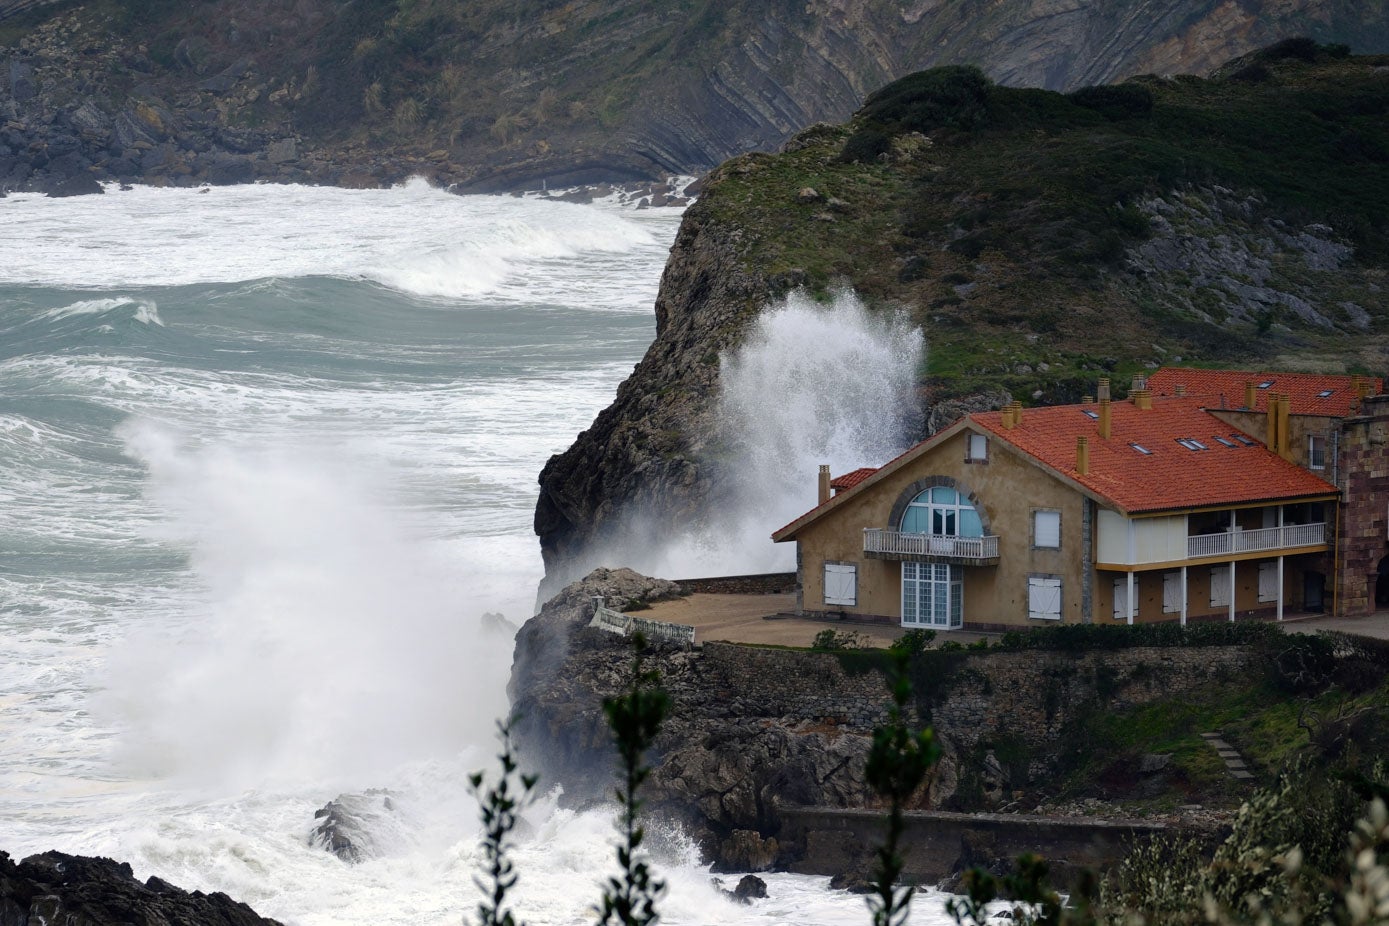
1006	488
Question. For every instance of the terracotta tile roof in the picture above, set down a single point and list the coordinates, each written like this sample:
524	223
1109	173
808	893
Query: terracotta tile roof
1304	390
1169	476
851	479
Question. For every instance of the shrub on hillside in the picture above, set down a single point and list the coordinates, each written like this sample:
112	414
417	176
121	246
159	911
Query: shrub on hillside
947	97
1115	102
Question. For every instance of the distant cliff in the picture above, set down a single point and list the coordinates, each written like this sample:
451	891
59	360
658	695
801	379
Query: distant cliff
1039	240
477	95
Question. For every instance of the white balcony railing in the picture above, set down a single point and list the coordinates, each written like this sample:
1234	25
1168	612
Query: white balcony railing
1230	543
876	540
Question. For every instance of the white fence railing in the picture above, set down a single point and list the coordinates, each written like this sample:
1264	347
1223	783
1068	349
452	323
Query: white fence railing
1230	543
877	540
656	631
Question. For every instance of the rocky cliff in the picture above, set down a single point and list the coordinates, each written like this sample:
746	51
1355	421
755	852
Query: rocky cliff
76	891
1039	240
477	95
755	731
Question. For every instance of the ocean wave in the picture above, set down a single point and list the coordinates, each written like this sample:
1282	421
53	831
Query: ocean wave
413	238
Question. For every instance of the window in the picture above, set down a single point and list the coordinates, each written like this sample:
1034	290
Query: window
1268	582
978	448
1225	441
1044	598
1220	586
1141	449
841	584
1121	599
1093	415
1316	451
1046	529
1171	593
944	512
1325	393
1265	384
1246	441
1190	444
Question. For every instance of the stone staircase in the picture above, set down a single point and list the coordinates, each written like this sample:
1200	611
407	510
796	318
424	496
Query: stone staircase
1234	762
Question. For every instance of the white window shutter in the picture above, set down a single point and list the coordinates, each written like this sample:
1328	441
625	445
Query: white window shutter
1121	599
1044	598
1046	529
1171	592
1268	581
1220	586
841	584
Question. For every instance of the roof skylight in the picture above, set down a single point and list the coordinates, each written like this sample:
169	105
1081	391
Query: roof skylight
1089	414
1141	449
1265	384
1226	441
1325	393
1246	441
1190	444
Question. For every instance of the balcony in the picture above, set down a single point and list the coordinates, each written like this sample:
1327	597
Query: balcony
1268	539
930	548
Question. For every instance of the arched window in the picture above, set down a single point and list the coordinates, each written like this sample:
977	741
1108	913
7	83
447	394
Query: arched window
943	511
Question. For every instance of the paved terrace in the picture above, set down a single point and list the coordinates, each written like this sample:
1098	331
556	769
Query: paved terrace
769	620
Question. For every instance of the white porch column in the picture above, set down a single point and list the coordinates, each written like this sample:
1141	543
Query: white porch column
1130	601
1183	596
1232	591
1280	587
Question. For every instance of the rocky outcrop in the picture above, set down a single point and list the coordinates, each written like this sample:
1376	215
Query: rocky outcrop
76	891
757	731
241	90
351	825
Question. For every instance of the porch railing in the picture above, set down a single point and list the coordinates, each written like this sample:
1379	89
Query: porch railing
877	540
1264	539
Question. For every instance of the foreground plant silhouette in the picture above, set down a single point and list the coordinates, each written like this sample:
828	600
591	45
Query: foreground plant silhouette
898	762
499	807
635	718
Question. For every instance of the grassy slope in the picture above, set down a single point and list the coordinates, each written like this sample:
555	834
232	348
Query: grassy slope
1005	238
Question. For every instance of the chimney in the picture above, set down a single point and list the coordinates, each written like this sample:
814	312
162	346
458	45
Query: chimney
1274	438
1082	455
1104	419
1142	398
1249	393
1284	431
1140	382
1179	389
1364	386
824	483
1087	400
1103	392
1017	413
1012	415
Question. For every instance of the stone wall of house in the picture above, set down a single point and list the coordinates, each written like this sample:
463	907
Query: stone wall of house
1363	541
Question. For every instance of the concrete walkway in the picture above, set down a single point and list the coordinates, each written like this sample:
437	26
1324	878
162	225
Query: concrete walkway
769	620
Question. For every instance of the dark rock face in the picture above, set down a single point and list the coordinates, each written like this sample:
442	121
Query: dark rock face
637	473
757	733
76	891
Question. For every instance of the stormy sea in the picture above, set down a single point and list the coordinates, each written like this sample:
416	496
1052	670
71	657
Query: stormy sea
269	456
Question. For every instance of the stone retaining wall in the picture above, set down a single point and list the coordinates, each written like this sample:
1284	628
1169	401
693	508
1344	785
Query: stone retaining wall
767	583
829	841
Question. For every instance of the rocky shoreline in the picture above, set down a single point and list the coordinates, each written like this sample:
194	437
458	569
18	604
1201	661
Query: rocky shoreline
54	888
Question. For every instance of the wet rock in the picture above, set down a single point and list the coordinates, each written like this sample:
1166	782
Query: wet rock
58	888
750	888
352	826
282	151
855	882
746	850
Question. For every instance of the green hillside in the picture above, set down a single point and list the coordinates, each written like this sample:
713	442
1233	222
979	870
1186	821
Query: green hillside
1040	239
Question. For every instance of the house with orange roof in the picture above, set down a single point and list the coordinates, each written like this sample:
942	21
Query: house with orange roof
1206	495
